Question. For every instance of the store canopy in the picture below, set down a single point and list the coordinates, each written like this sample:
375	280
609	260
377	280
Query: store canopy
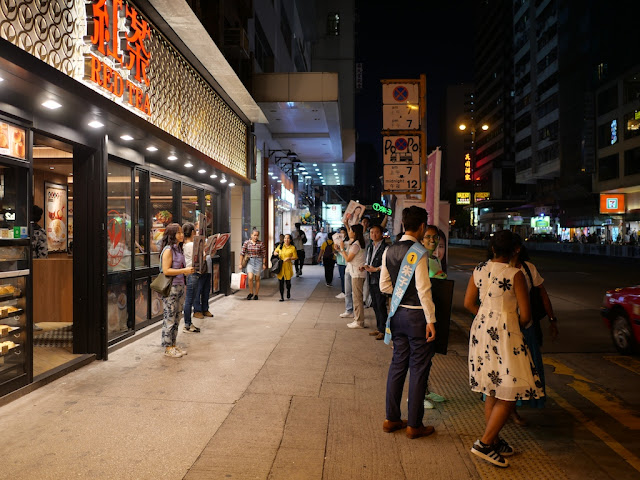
179	16
303	111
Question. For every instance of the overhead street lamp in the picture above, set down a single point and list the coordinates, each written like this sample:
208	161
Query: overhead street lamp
472	159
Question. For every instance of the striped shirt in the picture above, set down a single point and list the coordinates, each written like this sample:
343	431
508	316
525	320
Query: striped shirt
254	249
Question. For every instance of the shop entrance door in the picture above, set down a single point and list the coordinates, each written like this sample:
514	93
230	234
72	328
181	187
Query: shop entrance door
52	212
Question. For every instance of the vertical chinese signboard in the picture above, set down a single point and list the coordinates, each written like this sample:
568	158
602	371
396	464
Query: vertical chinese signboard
467	167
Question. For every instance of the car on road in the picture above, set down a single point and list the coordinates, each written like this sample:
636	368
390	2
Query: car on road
621	313
542	237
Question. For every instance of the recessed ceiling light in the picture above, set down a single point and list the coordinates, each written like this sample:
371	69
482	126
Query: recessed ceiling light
202	170
126	138
1	79
172	157
232	184
317	169
315	164
279	181
95	124
213	175
152	149
50	168
51	104
188	164
223	180
333	164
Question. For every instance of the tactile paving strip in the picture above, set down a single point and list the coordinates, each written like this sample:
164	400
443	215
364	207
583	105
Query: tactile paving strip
464	412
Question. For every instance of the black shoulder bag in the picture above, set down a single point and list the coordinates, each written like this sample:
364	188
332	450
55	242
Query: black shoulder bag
537	306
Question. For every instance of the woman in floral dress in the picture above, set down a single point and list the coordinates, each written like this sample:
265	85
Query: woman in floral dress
500	364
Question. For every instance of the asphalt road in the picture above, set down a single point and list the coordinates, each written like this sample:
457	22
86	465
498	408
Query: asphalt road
591	424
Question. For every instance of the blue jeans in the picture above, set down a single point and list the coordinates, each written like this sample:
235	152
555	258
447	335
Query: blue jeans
189	301
201	298
348	298
341	269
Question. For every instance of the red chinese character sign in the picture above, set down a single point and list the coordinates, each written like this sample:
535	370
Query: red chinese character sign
120	59
467	167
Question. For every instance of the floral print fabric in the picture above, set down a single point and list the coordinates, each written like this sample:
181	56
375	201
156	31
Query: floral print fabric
500	364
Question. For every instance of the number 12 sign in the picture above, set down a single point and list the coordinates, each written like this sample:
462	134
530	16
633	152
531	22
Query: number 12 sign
402	178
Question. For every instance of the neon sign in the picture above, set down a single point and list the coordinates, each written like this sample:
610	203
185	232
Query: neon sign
467	167
382	209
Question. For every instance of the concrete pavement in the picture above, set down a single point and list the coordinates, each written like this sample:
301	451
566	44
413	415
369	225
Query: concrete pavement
268	390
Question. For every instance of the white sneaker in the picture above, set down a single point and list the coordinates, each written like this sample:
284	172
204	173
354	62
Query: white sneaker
180	350
354	324
346	315
428	405
172	352
340	295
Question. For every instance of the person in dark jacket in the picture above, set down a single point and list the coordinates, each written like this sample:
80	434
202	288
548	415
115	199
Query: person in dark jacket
373	265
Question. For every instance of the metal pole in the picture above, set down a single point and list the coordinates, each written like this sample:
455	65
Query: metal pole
473	182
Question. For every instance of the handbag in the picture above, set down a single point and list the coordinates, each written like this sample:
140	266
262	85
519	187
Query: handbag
162	284
276	264
245	261
537	306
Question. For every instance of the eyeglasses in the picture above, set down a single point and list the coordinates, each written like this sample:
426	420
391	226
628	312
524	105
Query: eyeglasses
432	237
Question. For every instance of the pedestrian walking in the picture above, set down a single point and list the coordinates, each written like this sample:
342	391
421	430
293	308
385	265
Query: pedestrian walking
411	325
533	334
320	238
327	258
355	269
256	252
189	231
172	264
342	265
500	364
299	238
373	266
288	255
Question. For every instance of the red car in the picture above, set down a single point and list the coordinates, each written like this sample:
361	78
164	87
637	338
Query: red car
621	312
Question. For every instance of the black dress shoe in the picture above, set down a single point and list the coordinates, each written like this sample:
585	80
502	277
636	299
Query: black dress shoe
282	299
250	296
255	297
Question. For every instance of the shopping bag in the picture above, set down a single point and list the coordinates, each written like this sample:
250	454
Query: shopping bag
162	284
238	281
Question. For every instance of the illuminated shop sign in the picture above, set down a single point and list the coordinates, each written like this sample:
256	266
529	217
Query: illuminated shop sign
382	209
463	198
540	222
467	167
120	60
612	203
481	196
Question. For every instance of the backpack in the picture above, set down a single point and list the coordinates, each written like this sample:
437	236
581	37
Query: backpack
328	251
198	260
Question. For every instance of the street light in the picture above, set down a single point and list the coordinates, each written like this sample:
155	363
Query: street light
472	128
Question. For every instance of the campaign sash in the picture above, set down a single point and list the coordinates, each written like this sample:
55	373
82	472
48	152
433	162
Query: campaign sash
407	269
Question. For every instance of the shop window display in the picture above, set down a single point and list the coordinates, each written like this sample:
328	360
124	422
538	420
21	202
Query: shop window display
140	234
117	309
156	303
119	212
191	208
142	300
161	214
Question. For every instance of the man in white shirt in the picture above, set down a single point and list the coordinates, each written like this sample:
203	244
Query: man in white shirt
321	237
412	328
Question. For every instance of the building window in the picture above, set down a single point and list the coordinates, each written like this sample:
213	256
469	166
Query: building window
264	54
285	29
632	88
608	134
632	161
333	24
631	124
608	100
608	167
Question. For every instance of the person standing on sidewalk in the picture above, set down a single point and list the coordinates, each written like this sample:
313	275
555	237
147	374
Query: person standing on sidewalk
320	238
342	265
327	259
255	250
500	364
412	326
287	254
373	265
355	268
173	265
299	238
189	231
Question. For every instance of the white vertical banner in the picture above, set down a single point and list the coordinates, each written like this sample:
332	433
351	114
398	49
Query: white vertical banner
434	161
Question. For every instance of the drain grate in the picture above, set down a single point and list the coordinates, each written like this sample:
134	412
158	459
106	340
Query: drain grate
464	412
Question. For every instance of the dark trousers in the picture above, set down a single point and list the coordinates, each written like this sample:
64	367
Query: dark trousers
299	262
410	352
282	283
379	304
328	270
201	298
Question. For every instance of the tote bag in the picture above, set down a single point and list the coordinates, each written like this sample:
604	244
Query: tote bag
162	283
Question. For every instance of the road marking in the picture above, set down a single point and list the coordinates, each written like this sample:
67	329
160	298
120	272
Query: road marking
626	455
604	400
629	363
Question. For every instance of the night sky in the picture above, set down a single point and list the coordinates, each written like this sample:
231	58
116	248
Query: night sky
402	39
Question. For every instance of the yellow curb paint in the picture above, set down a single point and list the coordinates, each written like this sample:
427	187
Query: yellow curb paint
629	363
607	402
614	445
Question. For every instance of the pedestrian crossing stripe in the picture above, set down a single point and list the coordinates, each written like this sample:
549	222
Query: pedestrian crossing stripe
629	363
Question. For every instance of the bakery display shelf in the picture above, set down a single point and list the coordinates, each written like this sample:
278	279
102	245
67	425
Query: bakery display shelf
10	296
4	350
17	242
15	313
5	332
